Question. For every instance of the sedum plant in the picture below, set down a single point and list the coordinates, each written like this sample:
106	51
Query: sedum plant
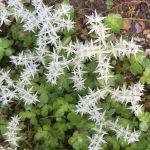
53	58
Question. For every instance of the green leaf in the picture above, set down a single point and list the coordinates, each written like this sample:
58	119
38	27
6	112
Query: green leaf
78	141
33	121
123	143
43	98
125	122
136	68
140	57
144	117
110	112
66	40
28	107
114	21
113	142
105	105
68	33
146	76
5	43
85	124
74	118
109	4
60	129
143	79
16	31
118	79
60	107
9	51
45	110
144	126
141	145
121	109
29	40
39	134
146	63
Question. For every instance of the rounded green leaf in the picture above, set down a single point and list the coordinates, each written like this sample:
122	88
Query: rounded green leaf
43	98
114	21
9	51
144	126
78	141
5	43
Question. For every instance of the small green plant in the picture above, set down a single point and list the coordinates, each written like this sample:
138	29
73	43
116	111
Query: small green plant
5	47
109	4
114	22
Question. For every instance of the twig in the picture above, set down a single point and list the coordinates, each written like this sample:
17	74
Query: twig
129	3
123	3
28	143
139	19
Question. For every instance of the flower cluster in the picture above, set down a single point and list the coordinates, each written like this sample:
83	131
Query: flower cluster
49	22
56	67
104	69
4	14
7	92
124	133
12	133
97	139
95	22
125	48
78	79
46	23
131	95
87	105
88	102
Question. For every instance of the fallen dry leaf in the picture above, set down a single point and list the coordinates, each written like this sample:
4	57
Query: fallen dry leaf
126	24
148	36
146	31
136	27
142	24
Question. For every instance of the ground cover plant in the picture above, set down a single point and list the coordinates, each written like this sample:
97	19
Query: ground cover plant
59	91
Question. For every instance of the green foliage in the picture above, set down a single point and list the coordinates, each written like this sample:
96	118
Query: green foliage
44	97
60	107
141	66
109	4
138	145
144	126
53	124
145	78
79	141
5	47
66	40
27	38
145	117
121	110
113	144
114	21
136	68
5	43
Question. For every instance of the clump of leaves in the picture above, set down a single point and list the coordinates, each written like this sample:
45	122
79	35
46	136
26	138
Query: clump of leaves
5	47
114	22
